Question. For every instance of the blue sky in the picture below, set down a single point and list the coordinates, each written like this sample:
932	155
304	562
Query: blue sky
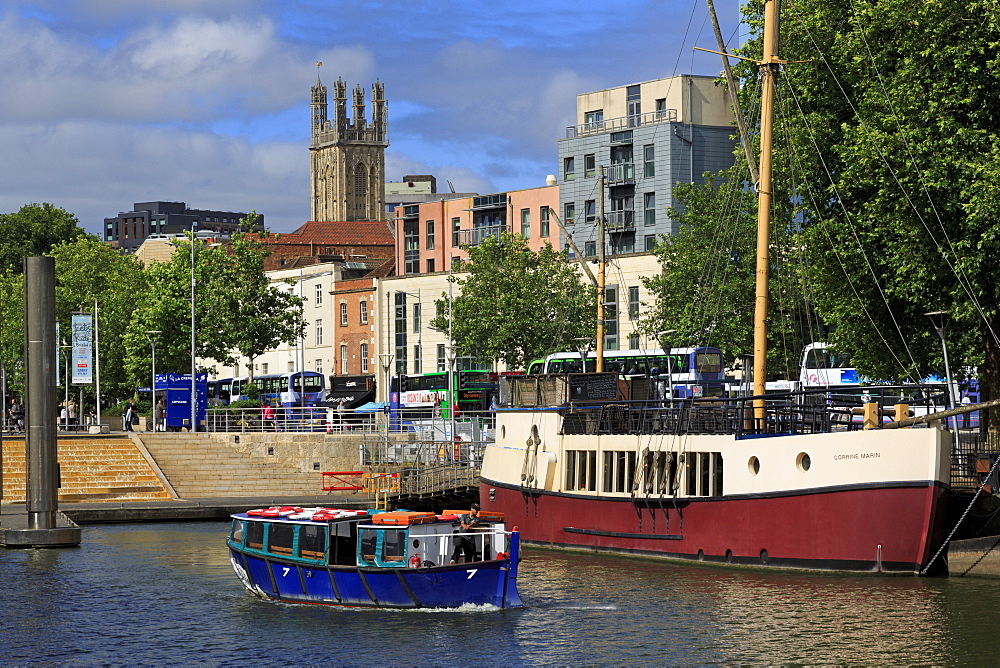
109	102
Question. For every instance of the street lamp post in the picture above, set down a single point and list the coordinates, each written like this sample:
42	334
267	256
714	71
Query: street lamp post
151	336
660	336
939	321
65	348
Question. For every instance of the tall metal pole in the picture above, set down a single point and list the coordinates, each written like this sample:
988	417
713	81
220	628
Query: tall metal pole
40	347
453	399
769	65
194	387
151	335
599	349
97	366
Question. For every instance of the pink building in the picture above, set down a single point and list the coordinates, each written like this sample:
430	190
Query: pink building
430	236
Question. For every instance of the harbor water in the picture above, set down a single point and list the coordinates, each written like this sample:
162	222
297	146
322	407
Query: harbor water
166	594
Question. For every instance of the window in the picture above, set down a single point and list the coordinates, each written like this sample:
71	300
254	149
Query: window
319	294
611	318
430	235
411	246
650	242
619	471
456	225
319	332
633	302
543	226
343	359
633	341
649	209
589	248
569	213
648	160
364	358
594	119
416	318
364	312
455	261
581	470
589	163
263	370
526	223
430	265
318	366
417	363
343	314
590	211
661	108
291	367
632	99
569	169
442	362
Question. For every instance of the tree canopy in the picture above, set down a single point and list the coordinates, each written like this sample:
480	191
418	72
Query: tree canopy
34	230
898	216
517	304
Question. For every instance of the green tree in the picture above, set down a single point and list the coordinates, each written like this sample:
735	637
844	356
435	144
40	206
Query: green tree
899	217
89	271
246	312
516	304
34	230
705	290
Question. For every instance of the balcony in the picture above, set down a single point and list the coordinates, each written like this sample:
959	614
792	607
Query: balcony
622	173
478	235
619	221
623	123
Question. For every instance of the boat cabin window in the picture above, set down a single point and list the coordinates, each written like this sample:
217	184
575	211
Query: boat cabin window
342	543
619	471
581	470
312	543
237	534
255	535
394	545
280	537
368	542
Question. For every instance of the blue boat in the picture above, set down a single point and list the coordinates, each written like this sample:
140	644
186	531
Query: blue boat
372	559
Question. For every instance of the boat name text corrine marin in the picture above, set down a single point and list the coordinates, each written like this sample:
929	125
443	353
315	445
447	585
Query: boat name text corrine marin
855	455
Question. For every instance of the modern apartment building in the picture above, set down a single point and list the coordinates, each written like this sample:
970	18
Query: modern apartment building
647	137
430	236
129	229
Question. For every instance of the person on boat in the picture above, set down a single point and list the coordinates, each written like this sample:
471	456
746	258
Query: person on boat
463	543
966	401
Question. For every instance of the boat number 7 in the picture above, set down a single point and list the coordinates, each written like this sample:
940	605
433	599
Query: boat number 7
284	571
471	573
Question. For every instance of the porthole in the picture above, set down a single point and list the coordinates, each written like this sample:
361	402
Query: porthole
754	466
803	462
729	556
416	543
763	557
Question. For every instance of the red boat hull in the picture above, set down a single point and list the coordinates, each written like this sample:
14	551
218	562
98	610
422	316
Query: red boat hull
864	528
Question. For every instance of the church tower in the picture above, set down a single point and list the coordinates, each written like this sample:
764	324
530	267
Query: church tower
347	155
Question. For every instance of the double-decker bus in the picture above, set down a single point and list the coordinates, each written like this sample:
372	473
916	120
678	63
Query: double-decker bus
287	390
694	372
426	395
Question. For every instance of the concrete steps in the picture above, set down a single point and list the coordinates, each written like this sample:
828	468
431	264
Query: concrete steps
100	468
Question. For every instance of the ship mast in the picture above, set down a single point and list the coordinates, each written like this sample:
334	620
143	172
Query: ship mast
769	65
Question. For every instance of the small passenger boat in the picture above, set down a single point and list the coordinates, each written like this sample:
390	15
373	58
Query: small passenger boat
375	559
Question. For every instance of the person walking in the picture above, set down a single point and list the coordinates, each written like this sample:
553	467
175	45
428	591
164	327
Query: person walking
16	416
128	416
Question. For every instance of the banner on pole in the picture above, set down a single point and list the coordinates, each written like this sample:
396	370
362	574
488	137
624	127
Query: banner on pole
83	349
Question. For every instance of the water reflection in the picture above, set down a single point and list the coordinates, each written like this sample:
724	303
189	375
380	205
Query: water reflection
166	594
